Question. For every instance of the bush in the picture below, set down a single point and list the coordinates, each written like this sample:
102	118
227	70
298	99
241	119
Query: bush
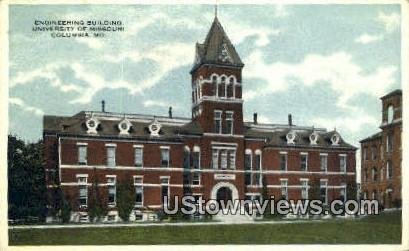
125	199
66	212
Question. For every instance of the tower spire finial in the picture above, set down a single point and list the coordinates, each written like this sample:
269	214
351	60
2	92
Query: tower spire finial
215	9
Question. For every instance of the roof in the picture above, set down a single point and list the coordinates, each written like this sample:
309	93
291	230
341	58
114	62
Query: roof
393	93
171	128
375	136
175	129
217	48
279	139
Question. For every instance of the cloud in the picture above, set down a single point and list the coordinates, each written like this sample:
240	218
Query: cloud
152	103
21	104
338	70
353	123
391	21
367	38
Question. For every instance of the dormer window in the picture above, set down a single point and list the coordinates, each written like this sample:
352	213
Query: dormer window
154	128
313	138
124	127
291	137
335	139
92	125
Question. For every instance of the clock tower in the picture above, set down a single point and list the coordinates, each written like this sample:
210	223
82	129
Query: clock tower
217	102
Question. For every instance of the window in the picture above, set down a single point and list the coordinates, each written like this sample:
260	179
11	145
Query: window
196	179
186	158
164	157
83	191
389	143
256	179
138	156
390	114
283	161
223	87
304	161
374	174
304	189
196	159
365	174
257	162
229	122
165	190
111	156
373	152
365	153
342	163
381	174
214	86
343	192
247	179
111	183
83	196
284	189
230	91
323	191
215	159
217	121
82	154
232	159
223	160
389	169
247	161
323	162
138	184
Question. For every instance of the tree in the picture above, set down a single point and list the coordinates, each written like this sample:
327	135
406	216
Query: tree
265	196
66	211
125	199
97	208
351	191
26	180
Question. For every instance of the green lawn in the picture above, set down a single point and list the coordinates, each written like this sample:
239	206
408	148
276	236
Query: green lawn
381	229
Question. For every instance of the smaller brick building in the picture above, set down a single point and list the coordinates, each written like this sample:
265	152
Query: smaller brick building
381	155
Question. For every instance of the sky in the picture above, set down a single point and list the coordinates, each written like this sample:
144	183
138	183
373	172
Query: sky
327	65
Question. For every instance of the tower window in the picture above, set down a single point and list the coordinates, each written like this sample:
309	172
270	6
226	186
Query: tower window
214	86
229	122
218	122
223	88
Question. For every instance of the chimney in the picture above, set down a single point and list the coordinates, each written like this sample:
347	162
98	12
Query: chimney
290	119
255	118
170	111
103	105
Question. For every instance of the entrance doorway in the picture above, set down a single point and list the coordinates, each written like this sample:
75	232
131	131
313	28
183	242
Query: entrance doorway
224	194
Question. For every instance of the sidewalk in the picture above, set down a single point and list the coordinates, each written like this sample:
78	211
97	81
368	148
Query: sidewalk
156	224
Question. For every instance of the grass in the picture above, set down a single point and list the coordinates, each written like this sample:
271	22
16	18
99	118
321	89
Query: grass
381	229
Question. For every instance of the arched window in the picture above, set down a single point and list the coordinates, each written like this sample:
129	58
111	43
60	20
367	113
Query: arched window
223	87
230	88
390	114
214	86
186	157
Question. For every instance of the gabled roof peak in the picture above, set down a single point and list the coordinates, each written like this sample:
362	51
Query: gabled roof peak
217	48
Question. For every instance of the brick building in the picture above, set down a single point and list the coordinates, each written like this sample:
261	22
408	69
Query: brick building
381	155
213	154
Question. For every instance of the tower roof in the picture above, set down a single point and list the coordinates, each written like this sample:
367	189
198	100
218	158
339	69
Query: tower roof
217	48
